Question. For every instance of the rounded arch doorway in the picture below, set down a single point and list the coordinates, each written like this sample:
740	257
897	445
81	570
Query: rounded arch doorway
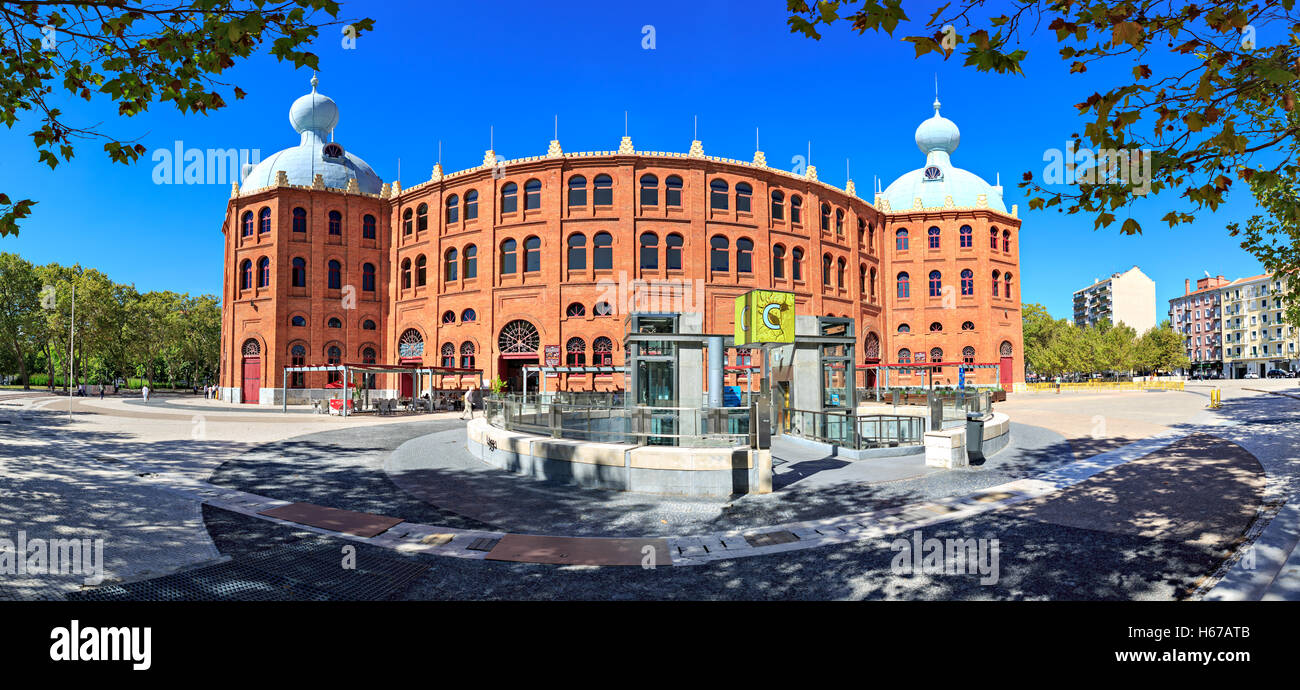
517	344
250	386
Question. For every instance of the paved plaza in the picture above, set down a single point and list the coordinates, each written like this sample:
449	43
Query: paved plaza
1123	495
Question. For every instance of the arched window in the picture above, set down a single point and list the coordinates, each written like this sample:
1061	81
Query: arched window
335	224
968	325
1005	349
298	322
904	356
470	261
422	217
862	232
936	284
1006	240
468	316
796	264
575	352
406	221
871	237
934	237
248	224
904	290
421	271
576	310
467	355
796	209
900	239
778	261
967	282
334	322
649	190
718	194
673	191
518	337
996	275
936	354
410	344
602	352
826	217
447	353
532	194
508	257
406	274
602	190
368	356
297	358
453	209
968	354
840	270
335	275
862	279
300	219
673	252
744	255
367	227
873	284
602	251
449	317
744	193
450	264
718	246
334	355
246	275
532	254
826	270
993	238
778	205
966	236
577	191
368	325
298	274
368	277
603	309
839	222
936	327
509	197
871	347
577	252
264	220
904	328
471	204
1007	284
649	251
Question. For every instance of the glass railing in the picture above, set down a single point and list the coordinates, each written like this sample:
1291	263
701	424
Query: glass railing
606	423
858	432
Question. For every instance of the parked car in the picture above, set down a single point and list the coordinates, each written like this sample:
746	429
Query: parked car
1277	374
1251	375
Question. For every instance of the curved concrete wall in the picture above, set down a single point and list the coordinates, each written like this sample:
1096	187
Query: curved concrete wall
624	467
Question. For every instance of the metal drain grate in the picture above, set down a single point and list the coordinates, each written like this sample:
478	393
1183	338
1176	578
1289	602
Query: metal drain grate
310	571
482	544
772	539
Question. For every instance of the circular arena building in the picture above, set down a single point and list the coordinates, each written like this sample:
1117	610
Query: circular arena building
534	261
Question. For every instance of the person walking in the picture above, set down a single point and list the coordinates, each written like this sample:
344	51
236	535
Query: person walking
469	405
144	391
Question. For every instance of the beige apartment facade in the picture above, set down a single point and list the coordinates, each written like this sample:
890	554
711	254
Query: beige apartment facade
1128	297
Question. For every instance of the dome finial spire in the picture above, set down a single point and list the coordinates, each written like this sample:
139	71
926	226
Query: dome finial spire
314	82
936	93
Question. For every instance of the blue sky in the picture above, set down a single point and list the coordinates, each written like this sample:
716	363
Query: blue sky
447	71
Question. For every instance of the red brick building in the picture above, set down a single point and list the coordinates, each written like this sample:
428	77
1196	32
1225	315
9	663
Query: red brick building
488	267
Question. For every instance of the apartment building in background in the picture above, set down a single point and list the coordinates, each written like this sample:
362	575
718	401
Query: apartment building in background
1128	298
1197	317
1256	337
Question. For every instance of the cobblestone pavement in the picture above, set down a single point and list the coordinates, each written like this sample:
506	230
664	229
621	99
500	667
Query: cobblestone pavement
1161	549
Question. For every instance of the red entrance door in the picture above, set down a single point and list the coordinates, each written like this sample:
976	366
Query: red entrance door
252	382
1004	372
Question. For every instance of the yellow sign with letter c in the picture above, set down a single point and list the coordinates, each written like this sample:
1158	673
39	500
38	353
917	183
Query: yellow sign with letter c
764	316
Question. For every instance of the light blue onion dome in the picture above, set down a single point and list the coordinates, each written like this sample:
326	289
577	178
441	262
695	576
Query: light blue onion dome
937	138
314	116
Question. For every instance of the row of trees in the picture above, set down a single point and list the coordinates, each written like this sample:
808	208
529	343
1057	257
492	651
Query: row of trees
1055	347
120	332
